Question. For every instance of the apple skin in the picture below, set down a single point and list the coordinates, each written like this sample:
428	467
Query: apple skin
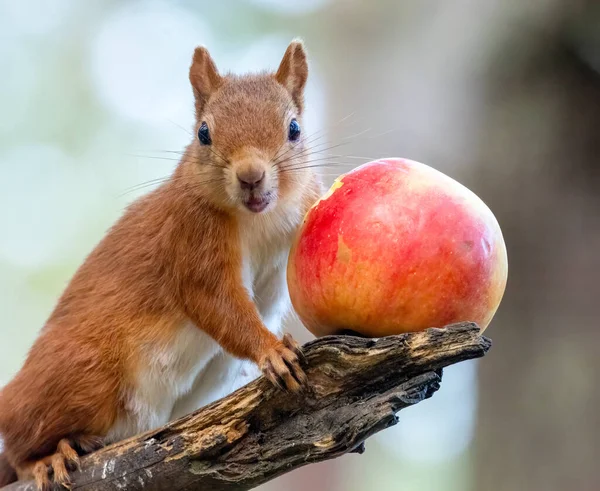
396	246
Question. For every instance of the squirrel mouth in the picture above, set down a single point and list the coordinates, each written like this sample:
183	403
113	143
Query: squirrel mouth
256	204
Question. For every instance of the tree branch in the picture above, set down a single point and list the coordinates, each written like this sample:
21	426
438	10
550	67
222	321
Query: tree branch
258	433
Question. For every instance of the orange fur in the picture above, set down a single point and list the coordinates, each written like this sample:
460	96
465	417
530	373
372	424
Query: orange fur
175	255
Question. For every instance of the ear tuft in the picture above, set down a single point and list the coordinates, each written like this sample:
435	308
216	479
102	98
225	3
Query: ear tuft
293	71
204	77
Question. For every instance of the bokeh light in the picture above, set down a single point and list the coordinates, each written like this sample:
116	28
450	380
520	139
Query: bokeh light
290	7
33	17
140	60
43	195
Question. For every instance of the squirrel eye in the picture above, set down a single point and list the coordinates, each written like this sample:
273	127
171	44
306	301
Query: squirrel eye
294	133
204	134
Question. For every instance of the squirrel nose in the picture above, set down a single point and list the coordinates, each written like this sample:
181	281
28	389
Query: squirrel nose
250	179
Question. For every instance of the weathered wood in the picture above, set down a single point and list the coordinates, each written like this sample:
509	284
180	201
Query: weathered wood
258	433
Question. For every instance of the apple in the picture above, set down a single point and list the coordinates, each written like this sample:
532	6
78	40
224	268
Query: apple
396	246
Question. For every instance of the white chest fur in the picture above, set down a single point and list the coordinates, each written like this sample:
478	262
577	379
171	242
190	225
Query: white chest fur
192	370
166	373
265	241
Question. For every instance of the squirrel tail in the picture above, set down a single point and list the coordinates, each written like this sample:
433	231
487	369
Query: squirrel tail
7	473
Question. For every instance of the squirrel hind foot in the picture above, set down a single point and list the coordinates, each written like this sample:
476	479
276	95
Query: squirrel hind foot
59	464
36	470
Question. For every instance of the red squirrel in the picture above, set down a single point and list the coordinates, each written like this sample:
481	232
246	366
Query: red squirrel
188	284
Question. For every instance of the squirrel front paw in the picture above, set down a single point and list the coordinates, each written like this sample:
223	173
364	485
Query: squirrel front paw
281	365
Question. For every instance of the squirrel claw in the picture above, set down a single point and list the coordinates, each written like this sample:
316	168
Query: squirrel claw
290	343
273	376
58	464
281	365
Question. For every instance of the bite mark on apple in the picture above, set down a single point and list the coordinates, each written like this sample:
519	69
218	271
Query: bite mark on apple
336	185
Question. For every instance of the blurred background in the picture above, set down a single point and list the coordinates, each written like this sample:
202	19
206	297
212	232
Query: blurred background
504	96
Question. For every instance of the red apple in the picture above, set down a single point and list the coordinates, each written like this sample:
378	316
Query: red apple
396	246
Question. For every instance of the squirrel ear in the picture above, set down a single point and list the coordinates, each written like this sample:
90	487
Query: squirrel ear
204	77
293	71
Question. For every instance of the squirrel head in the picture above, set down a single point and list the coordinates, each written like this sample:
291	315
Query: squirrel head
249	154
